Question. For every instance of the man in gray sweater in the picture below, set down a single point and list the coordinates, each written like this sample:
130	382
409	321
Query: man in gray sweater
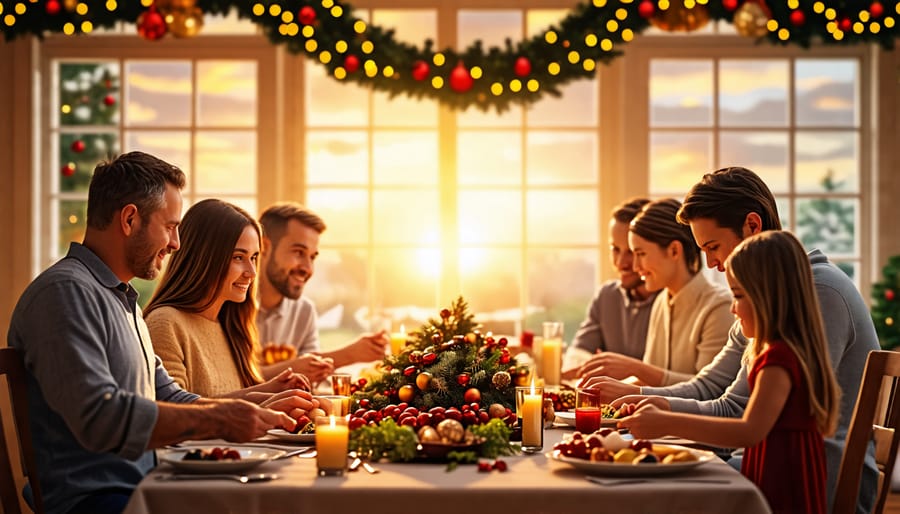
725	207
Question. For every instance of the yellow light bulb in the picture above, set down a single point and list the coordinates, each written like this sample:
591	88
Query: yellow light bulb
606	45
553	68
81	9
627	35
337	11
438	59
87	27
784	34
889	22
308	31
863	16
340	73
311	45
65	108
590	40
437	82
68	29
497	89
367	47
550	37
515	85
111	5
258	9
772	25
274	9
327	3
20	8
818	7
612	25
283	29
599	3
340	47
533	85
475	72
793	4
325	57
359	26
388	71
573	57
874	27
858	27
830	13
689	4
287	16
589	65
621	14
293	29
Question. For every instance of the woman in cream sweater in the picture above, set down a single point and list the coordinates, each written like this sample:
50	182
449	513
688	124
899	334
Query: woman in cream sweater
689	321
202	315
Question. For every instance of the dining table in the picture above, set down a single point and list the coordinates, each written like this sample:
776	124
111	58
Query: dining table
531	484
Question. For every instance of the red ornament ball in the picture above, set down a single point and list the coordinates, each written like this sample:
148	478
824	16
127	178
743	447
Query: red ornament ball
420	72
307	15
78	146
876	9
646	9
351	63
522	68
52	7
109	100
462	379
151	25
460	79
798	18
472	395
68	170
889	295
846	24
730	4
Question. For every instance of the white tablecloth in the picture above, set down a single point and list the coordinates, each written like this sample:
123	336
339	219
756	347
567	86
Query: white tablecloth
533	485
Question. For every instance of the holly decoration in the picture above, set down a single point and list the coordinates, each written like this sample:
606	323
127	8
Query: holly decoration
454	364
886	305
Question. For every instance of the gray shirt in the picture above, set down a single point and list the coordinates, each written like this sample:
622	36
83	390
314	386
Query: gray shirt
291	322
715	391
615	322
93	379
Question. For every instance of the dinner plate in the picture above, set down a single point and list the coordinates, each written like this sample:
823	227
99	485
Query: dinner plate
568	417
623	469
284	435
251	456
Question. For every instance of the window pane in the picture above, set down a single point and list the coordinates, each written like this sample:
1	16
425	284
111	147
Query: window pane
784	212
339	288
227	24
827	161
577	107
82	152
560	216
226	161
407	277
226	93
566	295
766	153
753	93
492	27
171	146
71	222
88	94
158	93
489	158
828	224
681	92
343	211
678	160
490	280
406	217
561	158
330	103
337	157
490	217
827	92
405	158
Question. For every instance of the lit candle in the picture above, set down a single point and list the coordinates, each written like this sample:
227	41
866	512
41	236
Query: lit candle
533	419
551	350
332	435
398	341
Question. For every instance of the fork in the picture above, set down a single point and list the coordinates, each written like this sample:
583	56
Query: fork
244	479
629	481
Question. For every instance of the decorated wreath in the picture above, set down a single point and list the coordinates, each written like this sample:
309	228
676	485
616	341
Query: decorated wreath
521	73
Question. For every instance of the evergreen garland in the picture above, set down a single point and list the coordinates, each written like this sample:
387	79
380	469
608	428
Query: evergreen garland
520	73
446	348
886	304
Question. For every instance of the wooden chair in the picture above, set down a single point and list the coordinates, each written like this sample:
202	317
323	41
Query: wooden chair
877	397
12	366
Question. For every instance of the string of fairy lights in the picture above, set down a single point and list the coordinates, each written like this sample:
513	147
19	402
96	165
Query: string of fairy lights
593	32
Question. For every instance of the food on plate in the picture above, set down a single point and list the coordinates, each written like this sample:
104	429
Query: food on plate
608	445
306	423
214	454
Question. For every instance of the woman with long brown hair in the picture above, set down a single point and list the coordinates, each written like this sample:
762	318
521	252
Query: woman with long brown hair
202	315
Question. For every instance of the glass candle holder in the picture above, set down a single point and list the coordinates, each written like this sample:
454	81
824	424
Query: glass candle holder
340	405
587	411
332	438
530	411
340	384
551	352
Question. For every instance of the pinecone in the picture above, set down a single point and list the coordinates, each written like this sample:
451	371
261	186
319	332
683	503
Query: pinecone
501	380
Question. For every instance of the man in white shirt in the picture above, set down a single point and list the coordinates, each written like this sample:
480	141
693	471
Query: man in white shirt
290	245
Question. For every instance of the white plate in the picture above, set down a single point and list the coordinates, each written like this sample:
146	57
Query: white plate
624	469
284	435
568	417
251	457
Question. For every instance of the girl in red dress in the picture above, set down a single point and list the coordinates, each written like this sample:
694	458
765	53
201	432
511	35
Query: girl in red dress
795	397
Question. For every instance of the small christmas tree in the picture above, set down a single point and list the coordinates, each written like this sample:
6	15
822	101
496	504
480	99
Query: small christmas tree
886	306
447	363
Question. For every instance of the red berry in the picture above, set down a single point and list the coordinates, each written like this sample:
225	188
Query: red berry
500	465
484	466
362	382
355	423
364	403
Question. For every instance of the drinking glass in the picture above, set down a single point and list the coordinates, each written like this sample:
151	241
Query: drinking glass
587	411
530	411
340	384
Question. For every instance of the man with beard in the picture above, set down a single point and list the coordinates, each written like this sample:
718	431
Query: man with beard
618	317
99	399
290	245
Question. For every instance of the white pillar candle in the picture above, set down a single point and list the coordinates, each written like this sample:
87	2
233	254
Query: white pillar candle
332	436
533	418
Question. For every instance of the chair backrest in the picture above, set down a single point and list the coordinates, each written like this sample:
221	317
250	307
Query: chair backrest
876	416
12	367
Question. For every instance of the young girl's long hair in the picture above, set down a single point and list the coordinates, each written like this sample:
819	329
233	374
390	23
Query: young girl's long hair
773	270
193	279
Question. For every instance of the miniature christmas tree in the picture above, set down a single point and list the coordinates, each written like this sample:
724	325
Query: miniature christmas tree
447	363
885	304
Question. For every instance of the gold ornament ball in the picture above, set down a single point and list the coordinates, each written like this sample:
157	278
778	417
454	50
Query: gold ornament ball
678	18
889	322
185	22
428	434
423	379
451	431
750	20
406	393
70	4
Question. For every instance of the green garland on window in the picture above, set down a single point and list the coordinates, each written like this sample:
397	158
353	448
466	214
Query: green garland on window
521	72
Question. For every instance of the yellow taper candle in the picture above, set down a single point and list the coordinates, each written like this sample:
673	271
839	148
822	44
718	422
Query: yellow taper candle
332	435
551	350
532	418
398	341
